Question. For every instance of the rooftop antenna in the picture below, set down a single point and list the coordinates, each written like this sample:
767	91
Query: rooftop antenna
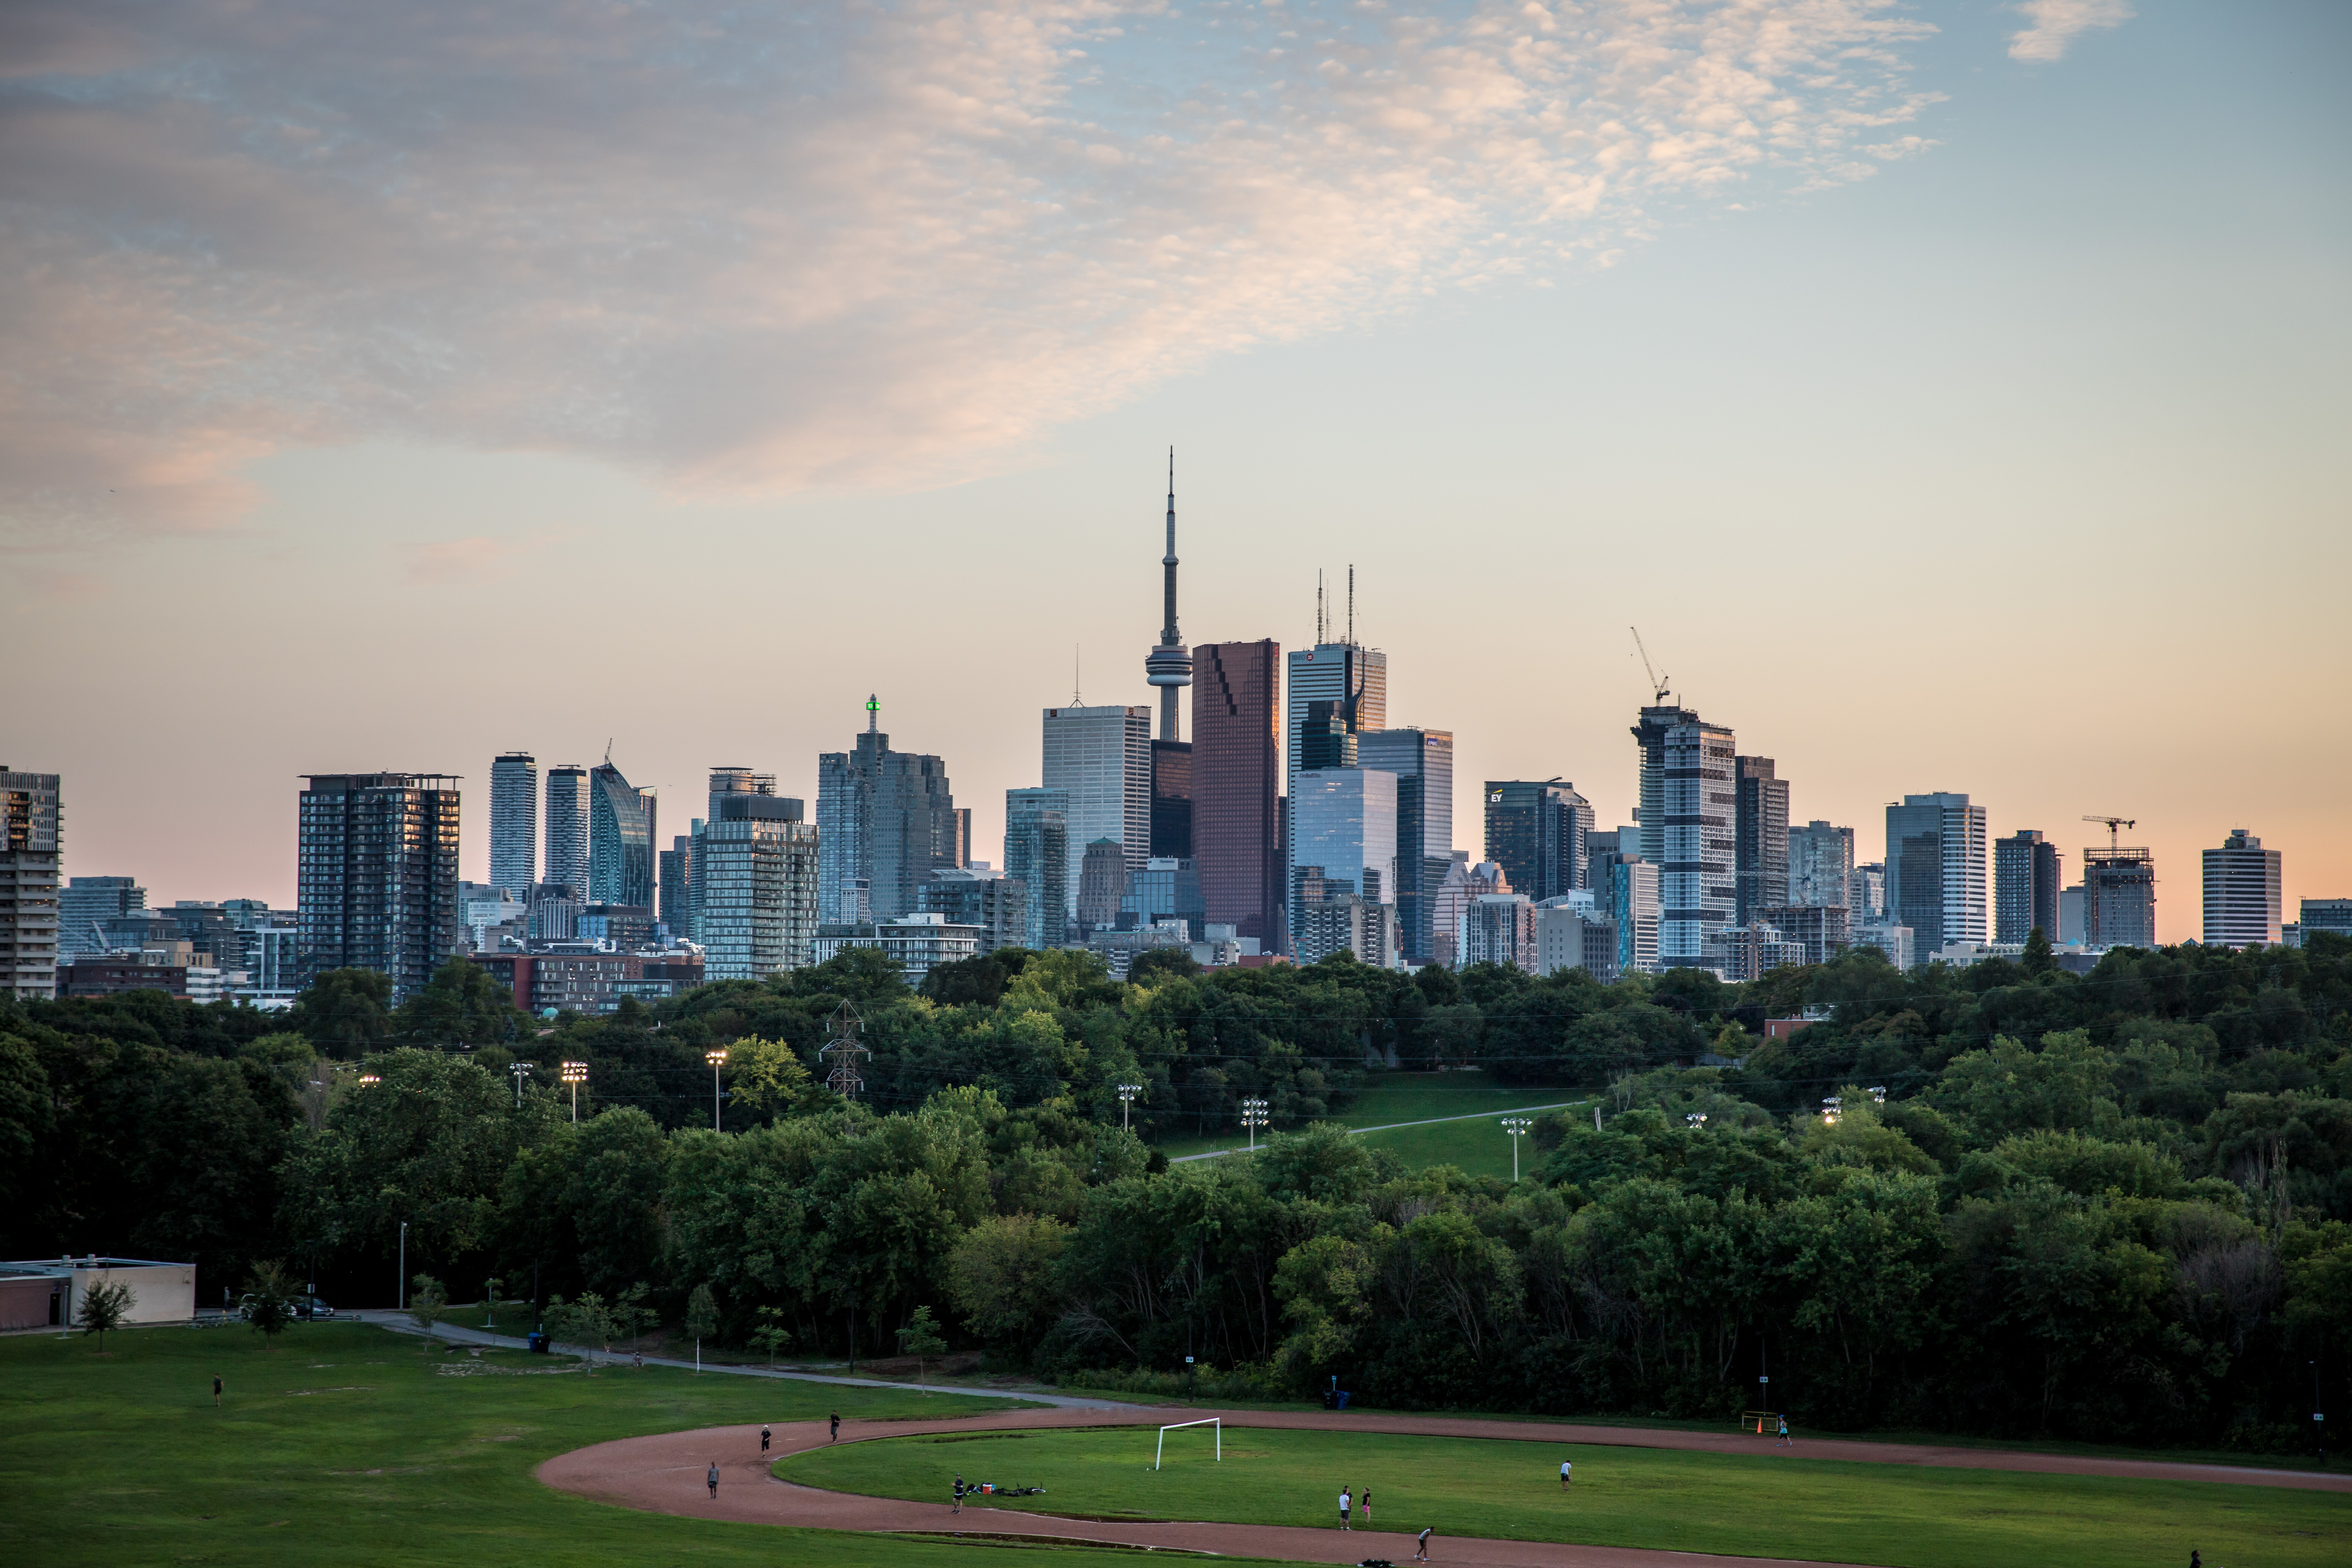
1659	690
608	751
1318	606
2113	823
1075	702
873	712
1351	604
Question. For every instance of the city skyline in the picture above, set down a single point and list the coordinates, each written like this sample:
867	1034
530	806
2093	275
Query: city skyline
1864	419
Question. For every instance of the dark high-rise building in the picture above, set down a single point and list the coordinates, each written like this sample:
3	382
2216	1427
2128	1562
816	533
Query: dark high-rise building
754	868
514	822
1761	856
1171	800
1689	804
1423	761
1535	833
2024	887
1169	665
1936	871
1237	783
378	876
1102	884
1036	854
567	829
997	904
620	840
676	875
31	839
885	819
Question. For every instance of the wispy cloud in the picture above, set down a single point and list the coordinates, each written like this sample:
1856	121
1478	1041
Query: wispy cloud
2057	22
753	250
475	559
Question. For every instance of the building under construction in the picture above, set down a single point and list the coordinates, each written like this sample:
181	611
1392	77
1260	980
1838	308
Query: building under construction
2118	897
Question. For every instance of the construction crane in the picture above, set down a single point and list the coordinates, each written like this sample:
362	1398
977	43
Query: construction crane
1657	682
2113	823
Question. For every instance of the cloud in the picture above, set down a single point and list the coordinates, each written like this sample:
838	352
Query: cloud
2056	22
476	558
756	249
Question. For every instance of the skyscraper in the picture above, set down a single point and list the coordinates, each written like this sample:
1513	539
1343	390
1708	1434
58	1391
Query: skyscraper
1169	666
2118	897
1627	893
1936	871
1236	787
2242	893
1820	866
1036	852
31	836
885	819
1537	834
1760	854
1688	793
1100	758
378	876
1423	761
567	829
1102	884
1172	799
620	840
2024	887
1353	678
85	904
1343	840
514	822
754	863
674	871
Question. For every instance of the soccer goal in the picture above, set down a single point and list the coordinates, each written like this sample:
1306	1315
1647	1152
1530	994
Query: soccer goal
1205	1421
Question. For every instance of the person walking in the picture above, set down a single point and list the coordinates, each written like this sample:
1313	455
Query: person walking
1343	1509
1785	1438
959	1493
216	1391
763	1441
1364	1507
1564	1466
837	1426
1420	1547
713	1479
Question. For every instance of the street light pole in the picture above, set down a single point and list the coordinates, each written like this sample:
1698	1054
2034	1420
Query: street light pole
1517	1128
403	1291
1127	1093
717	1060
1254	1116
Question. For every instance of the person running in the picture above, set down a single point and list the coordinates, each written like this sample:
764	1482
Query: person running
1343	1509
216	1391
763	1442
1364	1507
1785	1438
1420	1547
837	1426
1564	1466
713	1479
959	1493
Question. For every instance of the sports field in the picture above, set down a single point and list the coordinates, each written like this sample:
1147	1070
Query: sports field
1767	1505
1477	1144
350	1444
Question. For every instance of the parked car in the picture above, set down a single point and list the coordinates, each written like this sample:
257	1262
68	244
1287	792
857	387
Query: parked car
309	1309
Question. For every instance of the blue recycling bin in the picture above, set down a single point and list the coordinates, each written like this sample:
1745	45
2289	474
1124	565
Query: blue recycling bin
537	1342
1343	1399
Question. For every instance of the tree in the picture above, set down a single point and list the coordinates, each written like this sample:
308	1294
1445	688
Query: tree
772	1335
269	1300
102	1310
921	1338
769	1074
1000	1275
462	1005
345	1012
701	1317
428	1302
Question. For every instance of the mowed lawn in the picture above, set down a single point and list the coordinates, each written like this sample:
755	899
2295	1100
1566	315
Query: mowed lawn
350	1444
1478	1146
1907	1516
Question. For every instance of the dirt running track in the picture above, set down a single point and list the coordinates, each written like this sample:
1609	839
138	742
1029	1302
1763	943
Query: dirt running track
666	1473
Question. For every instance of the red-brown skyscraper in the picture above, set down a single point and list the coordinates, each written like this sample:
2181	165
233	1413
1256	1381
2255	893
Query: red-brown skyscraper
1236	786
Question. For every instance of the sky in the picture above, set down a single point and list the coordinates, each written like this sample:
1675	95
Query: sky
1952	394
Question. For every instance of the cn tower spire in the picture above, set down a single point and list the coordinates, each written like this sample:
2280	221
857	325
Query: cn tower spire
1169	666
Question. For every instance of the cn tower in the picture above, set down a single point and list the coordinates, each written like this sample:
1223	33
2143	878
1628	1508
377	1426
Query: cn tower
1169	664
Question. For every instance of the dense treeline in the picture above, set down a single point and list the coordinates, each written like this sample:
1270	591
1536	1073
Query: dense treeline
2115	1206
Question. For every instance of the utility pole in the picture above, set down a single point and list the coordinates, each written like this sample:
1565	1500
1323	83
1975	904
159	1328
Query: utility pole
402	1294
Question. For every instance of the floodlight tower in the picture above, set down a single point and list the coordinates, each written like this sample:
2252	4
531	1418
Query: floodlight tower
717	1060
1254	1116
575	1074
1515	1128
1127	1097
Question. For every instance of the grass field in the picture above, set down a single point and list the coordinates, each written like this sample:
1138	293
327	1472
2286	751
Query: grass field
350	1444
1478	1148
1906	1516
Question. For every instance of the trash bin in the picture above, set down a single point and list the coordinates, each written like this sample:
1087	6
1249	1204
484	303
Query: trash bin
1343	1399
537	1342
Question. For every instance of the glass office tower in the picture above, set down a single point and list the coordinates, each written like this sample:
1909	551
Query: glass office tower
1237	782
1100	758
620	841
1423	761
1037	851
514	824
567	829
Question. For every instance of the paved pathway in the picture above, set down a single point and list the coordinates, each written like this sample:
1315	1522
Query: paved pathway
401	1323
665	1473
1392	1126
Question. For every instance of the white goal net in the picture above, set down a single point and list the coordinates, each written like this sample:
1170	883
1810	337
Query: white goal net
1210	1421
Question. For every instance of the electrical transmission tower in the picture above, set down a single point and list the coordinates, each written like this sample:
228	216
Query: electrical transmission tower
843	1050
